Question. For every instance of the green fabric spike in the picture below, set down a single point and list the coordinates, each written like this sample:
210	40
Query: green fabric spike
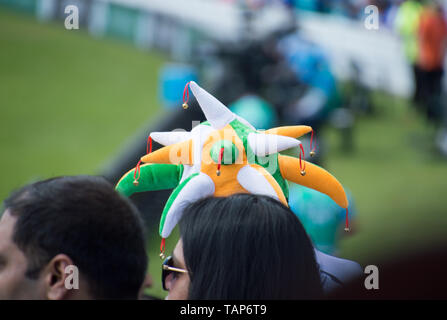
171	199
153	176
242	132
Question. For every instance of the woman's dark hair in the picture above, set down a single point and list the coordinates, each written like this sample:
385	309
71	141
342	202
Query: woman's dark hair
247	247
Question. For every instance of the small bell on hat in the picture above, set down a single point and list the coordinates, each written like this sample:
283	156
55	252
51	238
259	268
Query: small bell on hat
302	168
162	249
135	178
312	150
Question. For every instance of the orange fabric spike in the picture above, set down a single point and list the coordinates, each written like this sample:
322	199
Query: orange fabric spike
178	153
290	131
315	178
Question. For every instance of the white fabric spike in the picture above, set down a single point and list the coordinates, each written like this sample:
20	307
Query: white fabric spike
264	144
199	134
254	182
168	138
198	187
215	111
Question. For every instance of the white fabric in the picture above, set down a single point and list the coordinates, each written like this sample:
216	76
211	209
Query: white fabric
198	134
215	111
264	144
255	182
168	138
198	187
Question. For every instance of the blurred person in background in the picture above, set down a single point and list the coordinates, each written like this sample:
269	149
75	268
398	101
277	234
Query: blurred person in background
432	34
407	26
322	218
79	221
310	65
391	13
385	8
241	247
323	221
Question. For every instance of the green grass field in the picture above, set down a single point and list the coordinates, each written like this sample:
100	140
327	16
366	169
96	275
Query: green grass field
397	180
68	102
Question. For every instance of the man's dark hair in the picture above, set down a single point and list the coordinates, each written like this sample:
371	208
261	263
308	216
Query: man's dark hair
86	219
247	247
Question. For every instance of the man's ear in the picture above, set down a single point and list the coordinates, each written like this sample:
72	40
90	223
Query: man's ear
55	277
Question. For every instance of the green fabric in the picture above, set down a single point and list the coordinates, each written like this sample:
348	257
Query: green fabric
153	176
172	198
230	153
242	132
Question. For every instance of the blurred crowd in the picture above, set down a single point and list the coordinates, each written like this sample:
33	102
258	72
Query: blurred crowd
423	30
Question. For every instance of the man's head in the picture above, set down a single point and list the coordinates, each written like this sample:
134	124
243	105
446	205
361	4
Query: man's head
71	221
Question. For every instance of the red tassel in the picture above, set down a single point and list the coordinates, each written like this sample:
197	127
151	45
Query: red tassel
302	167
137	169
220	161
347	229
186	93
162	245
149	145
162	248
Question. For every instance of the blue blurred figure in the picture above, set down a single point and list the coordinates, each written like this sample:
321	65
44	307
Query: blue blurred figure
322	218
255	110
172	80
311	66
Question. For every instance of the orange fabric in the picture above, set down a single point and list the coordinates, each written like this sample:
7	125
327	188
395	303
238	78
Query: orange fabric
226	184
290	131
315	178
226	133
432	37
178	153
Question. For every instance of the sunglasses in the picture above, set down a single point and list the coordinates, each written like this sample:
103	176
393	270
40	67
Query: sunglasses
166	270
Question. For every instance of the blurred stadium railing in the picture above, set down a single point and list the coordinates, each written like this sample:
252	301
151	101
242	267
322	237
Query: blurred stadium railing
176	26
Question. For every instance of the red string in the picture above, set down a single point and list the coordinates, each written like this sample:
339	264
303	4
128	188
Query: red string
347	220
137	168
311	138
186	92
162	246
220	158
302	168
149	145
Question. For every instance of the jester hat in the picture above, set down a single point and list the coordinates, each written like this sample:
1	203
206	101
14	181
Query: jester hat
223	156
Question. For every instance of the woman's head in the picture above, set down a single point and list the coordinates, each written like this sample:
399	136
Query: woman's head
244	247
